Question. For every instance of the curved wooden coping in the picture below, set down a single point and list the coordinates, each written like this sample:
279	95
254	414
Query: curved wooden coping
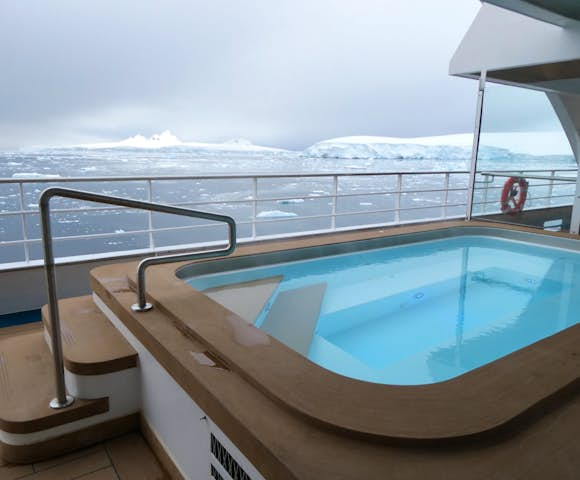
490	398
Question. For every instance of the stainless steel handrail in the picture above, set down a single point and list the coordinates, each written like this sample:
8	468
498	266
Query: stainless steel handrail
62	399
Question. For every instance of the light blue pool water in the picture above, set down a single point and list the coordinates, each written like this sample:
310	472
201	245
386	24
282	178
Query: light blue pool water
430	311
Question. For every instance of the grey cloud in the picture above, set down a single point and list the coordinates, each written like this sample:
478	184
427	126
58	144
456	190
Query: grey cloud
282	72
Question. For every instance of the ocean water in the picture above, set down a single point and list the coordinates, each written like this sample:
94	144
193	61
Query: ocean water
121	230
425	312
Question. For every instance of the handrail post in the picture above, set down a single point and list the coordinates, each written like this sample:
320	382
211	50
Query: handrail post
254	205
334	201
445	195
142	305
150	215
62	400
398	198
23	220
551	187
485	194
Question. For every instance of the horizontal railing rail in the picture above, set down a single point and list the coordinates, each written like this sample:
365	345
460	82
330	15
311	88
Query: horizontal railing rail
529	176
268	205
62	399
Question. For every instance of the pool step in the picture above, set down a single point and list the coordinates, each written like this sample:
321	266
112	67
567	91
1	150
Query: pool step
91	344
246	299
26	388
101	373
293	316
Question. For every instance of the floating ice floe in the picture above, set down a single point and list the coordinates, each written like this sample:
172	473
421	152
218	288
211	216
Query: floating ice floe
34	175
290	201
275	214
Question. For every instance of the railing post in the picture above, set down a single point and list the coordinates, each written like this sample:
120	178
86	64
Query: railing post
445	194
334	200
254	205
150	215
398	198
551	187
486	193
23	219
62	400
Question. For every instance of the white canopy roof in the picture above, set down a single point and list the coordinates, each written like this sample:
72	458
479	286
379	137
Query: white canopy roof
558	12
521	50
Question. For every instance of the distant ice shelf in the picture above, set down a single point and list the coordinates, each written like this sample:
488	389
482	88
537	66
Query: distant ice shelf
493	146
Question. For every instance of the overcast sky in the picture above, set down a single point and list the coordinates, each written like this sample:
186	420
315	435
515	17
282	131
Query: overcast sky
278	72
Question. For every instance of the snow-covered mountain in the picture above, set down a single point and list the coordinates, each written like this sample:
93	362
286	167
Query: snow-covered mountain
493	146
166	140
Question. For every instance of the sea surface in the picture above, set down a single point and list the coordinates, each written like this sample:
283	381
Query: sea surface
306	204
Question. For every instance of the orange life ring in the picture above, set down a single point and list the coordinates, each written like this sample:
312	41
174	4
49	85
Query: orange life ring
513	195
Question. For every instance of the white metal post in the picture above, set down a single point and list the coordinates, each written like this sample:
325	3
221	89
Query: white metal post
150	215
551	188
254	205
334	199
23	219
475	149
398	198
445	195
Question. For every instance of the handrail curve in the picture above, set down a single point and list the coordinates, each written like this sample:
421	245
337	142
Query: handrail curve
62	399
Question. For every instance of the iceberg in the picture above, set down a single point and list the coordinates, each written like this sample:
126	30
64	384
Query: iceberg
496	146
458	148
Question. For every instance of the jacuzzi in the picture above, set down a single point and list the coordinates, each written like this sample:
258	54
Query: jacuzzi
428	335
410	310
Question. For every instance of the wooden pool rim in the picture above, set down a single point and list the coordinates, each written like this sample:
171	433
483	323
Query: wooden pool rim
492	398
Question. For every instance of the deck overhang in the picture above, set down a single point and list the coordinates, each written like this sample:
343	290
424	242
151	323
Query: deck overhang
520	50
558	12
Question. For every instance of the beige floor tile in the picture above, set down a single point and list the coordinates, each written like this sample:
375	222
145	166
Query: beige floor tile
53	462
12	472
75	468
133	459
105	474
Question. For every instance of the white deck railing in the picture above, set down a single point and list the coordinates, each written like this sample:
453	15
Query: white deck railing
263	205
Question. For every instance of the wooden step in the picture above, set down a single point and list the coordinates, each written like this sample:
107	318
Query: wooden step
91	344
27	386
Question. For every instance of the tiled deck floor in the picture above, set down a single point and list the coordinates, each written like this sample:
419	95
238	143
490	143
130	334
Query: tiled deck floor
124	458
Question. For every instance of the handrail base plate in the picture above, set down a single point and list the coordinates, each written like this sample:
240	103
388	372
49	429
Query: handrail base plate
56	404
137	308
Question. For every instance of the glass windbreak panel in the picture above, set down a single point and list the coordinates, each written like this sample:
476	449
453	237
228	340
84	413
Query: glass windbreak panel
526	170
